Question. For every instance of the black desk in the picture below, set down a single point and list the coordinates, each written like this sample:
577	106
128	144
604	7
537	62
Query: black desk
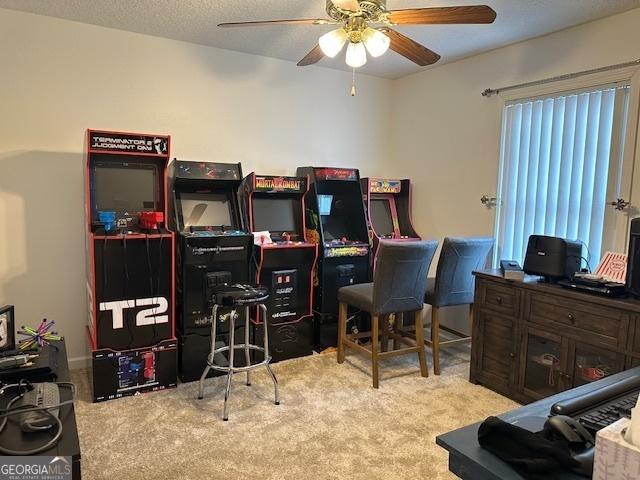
470	462
14	438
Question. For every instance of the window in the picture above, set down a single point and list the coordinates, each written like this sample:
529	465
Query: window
561	163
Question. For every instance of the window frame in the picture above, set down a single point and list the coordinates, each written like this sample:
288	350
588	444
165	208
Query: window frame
631	157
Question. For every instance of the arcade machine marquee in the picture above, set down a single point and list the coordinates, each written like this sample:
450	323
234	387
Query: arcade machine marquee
213	248
335	220
130	282
283	261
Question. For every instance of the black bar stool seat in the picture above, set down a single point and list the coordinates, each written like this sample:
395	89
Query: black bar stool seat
237	296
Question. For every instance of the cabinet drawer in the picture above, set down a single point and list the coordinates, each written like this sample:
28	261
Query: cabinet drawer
604	325
499	298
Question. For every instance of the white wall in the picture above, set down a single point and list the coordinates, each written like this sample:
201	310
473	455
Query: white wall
60	78
445	135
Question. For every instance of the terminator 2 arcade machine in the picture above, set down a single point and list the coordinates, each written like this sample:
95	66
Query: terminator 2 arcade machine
213	249
130	282
273	208
335	220
388	207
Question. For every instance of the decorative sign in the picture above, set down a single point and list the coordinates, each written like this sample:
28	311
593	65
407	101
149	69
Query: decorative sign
613	267
337	174
128	143
380	185
280	184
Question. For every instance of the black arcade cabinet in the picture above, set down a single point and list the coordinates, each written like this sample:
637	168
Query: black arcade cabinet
213	248
273	208
336	221
388	207
130	282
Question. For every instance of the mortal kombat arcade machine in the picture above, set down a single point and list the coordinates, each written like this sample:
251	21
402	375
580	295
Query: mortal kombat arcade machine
388	207
273	209
213	249
130	282
335	220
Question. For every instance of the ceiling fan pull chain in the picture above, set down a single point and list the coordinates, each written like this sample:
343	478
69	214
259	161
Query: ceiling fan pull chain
353	84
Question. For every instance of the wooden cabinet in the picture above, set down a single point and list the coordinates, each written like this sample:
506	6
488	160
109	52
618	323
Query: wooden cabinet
532	340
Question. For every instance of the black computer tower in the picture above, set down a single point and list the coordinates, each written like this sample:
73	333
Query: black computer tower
633	265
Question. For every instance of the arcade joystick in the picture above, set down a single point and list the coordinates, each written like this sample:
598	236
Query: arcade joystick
287	237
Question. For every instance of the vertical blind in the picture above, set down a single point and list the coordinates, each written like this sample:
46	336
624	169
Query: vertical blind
555	165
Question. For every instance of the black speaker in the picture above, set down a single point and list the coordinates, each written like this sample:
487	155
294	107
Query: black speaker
552	258
633	260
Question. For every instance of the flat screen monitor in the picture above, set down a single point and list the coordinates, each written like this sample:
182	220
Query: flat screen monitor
205	210
126	188
380	216
274	215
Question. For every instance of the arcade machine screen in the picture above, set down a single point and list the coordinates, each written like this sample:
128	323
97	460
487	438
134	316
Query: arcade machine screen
381	217
206	210
336	213
126	188
275	215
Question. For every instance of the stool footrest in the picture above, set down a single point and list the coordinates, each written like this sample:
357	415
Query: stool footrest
227	369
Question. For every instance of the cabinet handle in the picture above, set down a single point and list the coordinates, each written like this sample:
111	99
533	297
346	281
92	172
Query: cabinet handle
499	300
512	355
572	318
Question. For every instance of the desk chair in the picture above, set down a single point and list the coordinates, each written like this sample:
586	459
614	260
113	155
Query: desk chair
454	285
399	285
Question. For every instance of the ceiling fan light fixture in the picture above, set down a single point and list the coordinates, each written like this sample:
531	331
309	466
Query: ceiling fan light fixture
377	43
356	55
332	43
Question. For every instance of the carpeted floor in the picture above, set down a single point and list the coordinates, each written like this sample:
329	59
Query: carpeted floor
330	424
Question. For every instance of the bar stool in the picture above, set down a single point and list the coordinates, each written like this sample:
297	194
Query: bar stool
399	285
234	297
454	284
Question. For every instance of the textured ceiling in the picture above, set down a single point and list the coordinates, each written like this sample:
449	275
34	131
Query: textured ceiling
195	21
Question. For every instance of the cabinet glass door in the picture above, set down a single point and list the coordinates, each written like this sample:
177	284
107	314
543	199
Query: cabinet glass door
542	365
593	363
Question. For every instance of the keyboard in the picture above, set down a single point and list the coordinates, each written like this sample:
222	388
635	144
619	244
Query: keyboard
610	413
602	407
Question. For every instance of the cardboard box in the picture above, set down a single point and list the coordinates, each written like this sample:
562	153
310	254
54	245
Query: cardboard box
615	458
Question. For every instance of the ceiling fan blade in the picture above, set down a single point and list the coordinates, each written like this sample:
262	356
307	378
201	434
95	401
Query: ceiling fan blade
263	23
436	15
351	5
314	56
410	49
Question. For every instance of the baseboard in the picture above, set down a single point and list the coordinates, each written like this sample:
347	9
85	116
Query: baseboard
79	363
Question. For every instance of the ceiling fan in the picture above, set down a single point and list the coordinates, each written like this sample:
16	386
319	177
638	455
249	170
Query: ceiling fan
365	25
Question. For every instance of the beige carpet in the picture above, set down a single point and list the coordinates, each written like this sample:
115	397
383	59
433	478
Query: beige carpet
330	425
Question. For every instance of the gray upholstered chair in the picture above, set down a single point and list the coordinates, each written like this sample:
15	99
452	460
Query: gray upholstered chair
454	284
399	285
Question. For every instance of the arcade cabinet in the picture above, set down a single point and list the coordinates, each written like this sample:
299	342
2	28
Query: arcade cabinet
336	221
388	207
212	249
273	208
130	282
